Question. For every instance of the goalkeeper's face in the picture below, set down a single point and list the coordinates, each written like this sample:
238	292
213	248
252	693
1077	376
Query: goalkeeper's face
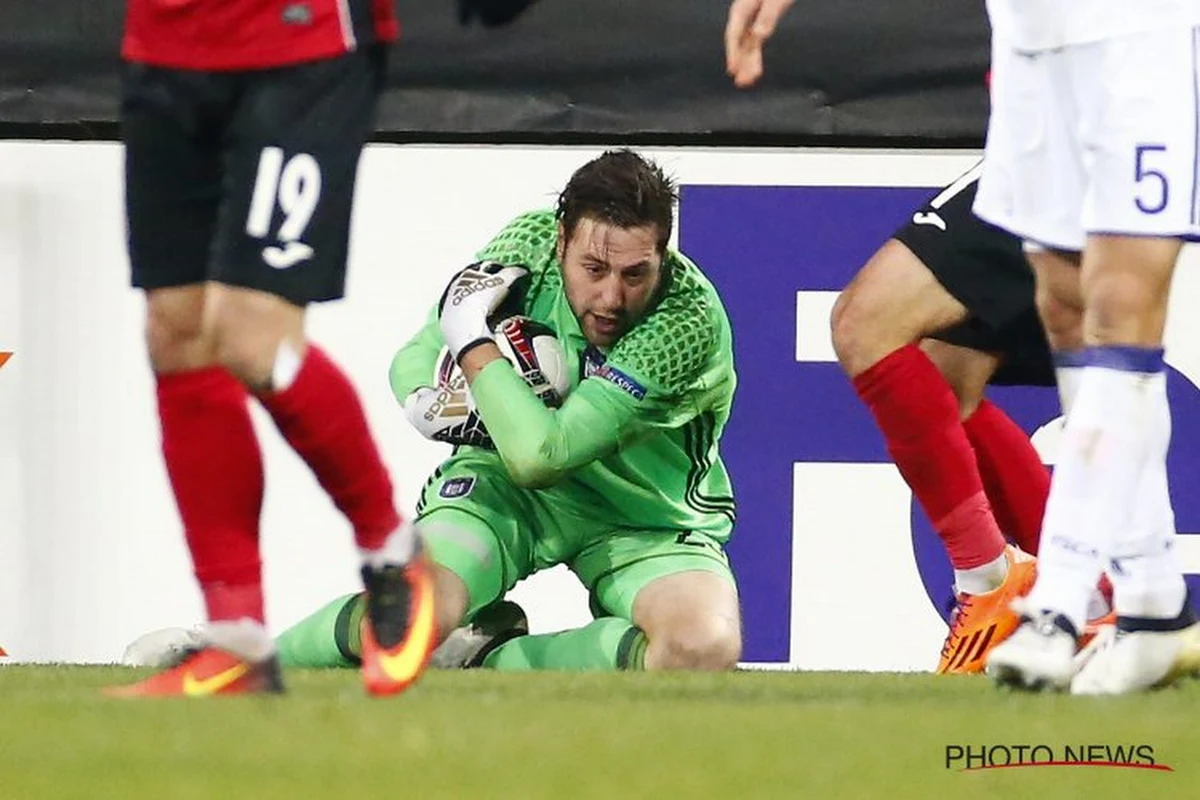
610	274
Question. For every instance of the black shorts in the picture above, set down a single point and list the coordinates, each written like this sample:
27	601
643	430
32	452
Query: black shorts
984	268
246	178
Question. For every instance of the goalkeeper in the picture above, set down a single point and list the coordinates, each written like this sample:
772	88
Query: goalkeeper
623	482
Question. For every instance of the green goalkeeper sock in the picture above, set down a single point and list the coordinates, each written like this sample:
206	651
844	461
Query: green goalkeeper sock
606	643
330	637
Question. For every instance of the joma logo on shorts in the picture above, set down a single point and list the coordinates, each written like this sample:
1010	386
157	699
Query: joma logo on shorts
297	14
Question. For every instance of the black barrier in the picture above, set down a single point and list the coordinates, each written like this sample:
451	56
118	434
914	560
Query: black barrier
838	71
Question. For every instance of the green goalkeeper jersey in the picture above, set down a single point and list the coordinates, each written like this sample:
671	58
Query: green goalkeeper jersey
635	442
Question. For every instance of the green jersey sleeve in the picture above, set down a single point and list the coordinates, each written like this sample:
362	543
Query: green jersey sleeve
652	379
538	445
414	363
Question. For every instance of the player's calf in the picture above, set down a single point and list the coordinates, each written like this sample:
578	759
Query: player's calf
257	336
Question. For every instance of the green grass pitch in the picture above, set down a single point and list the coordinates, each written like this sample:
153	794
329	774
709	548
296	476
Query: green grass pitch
480	734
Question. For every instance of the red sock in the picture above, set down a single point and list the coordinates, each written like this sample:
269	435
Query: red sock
917	413
216	471
1015	479
321	418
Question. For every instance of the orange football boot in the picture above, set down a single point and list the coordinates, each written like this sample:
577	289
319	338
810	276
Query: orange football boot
399	632
207	671
982	621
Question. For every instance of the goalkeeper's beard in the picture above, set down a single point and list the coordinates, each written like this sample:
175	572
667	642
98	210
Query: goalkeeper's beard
604	329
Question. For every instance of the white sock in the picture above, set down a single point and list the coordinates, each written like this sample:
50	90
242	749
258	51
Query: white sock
397	548
246	638
1068	371
982	579
1145	571
1093	491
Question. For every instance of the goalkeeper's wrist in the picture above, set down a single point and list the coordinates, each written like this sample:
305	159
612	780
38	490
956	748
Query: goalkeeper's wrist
480	354
472	346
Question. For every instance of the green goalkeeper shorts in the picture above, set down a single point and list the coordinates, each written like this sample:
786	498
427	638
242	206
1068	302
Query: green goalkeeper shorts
491	533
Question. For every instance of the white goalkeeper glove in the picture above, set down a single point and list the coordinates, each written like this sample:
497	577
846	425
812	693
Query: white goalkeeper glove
446	414
470	299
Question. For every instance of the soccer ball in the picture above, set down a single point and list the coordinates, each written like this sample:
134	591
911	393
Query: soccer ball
533	350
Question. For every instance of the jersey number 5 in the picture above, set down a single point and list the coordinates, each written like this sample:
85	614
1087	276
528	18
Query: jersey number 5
1158	186
295	186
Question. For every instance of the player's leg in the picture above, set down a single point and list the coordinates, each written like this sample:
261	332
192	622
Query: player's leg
683	615
913	405
172	126
1016	480
329	637
1108	496
291	159
944	270
972	357
663	601
1153	586
981	619
478	529
691	619
1032	186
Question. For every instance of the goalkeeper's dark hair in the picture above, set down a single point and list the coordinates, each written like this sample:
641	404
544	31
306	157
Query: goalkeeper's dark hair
621	188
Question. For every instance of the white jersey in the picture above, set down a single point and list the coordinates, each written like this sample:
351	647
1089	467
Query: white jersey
1037	25
1096	137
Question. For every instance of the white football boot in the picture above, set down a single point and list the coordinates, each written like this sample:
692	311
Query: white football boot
162	647
1142	653
1039	655
466	647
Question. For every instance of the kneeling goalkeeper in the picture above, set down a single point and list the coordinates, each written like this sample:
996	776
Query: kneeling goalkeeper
623	482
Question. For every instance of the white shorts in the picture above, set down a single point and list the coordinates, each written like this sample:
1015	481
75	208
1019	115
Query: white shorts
1095	138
